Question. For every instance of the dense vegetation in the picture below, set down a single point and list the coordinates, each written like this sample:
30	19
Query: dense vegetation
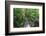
20	15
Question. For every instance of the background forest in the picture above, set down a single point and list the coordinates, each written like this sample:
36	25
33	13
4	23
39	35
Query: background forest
26	16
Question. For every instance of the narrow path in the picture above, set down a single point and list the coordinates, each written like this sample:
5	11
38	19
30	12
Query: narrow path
26	23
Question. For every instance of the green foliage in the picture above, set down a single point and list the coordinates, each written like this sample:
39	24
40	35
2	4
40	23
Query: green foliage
21	13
